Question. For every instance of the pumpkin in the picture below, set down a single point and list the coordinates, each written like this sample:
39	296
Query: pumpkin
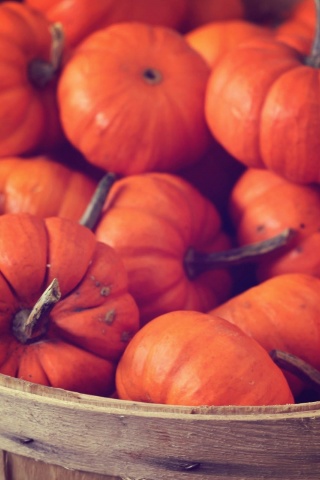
207	11
213	40
153	220
66	314
30	53
192	358
250	90
256	215
281	313
92	15
170	240
141	108
43	186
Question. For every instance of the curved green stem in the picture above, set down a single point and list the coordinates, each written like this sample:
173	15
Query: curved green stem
41	72
93	212
30	325
196	262
293	364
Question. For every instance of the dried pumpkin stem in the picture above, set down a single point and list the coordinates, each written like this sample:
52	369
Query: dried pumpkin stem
293	364
313	60
196	262
41	72
28	326
93	212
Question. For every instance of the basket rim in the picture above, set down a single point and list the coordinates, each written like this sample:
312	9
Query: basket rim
13	387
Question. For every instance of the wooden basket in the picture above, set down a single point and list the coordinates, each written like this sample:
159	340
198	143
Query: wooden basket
52	434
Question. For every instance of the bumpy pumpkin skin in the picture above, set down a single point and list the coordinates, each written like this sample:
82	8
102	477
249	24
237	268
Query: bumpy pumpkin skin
132	99
250	90
96	14
281	313
152	220
29	118
91	325
42	186
191	358
262	204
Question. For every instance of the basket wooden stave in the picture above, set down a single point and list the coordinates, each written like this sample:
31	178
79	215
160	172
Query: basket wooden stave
84	437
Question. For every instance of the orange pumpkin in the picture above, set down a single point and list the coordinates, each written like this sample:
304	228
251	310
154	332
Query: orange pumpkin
250	91
154	221
141	108
191	358
213	40
42	186
92	15
30	51
77	344
257	215
281	313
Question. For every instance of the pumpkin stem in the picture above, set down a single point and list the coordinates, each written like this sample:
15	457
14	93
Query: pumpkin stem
28	326
41	72
196	262
293	364
313	60
92	213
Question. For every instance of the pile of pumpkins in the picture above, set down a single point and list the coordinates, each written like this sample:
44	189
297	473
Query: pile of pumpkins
160	199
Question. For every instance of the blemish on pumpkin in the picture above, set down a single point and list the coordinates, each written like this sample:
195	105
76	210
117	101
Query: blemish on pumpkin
125	337
109	317
260	228
105	291
302	225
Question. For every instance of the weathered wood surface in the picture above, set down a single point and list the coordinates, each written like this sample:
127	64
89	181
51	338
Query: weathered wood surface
154	442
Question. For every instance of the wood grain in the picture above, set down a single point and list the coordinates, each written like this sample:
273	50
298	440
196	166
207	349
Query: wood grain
140	441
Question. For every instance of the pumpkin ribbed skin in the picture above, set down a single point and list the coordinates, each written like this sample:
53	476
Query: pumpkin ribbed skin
41	186
250	90
282	313
29	118
191	358
152	220
132	99
91	325
257	215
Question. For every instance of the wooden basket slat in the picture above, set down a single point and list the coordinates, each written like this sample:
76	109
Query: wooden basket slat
114	438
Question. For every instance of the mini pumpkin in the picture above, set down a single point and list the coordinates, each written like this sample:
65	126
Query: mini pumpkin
43	186
250	90
73	336
31	50
132	99
257	215
191	358
282	313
